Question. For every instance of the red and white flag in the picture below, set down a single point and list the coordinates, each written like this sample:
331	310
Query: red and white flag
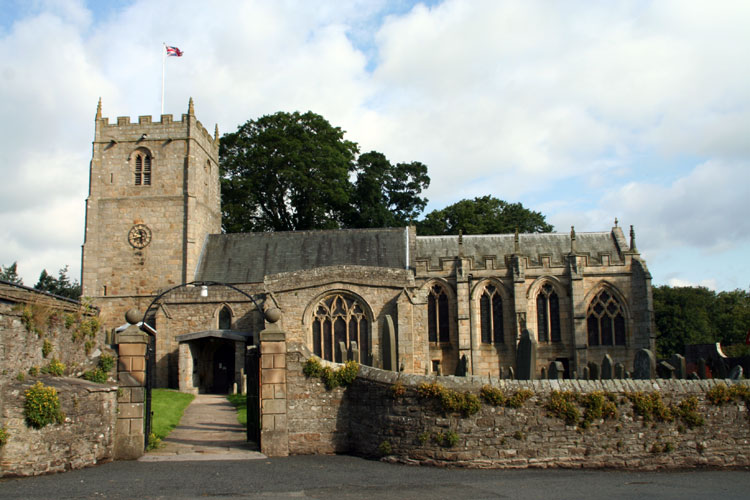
173	51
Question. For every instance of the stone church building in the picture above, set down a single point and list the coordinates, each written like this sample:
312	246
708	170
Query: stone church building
392	298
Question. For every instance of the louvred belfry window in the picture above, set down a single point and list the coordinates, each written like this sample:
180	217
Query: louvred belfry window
605	320
340	318
142	169
491	314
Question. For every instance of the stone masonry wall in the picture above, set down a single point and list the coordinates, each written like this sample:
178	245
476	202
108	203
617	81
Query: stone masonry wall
367	419
29	318
85	438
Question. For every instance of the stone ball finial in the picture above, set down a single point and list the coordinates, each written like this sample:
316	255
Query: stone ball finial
133	316
273	314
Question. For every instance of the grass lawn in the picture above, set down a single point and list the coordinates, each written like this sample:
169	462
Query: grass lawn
240	402
168	406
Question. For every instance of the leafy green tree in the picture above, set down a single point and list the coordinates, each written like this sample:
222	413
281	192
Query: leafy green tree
483	215
682	318
286	171
10	274
386	195
730	314
62	285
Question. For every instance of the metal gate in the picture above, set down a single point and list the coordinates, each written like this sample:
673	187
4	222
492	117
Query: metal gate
252	372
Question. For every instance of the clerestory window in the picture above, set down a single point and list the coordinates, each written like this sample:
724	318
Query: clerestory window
438	323
491	316
340	318
605	320
548	315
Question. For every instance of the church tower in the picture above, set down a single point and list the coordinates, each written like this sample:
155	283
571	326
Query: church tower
153	198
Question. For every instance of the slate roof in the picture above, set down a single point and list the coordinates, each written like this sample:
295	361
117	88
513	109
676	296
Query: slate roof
534	245
248	257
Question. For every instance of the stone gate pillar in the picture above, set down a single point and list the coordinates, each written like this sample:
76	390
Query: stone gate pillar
131	377
274	436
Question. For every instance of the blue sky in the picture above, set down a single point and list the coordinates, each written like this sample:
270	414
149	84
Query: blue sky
638	110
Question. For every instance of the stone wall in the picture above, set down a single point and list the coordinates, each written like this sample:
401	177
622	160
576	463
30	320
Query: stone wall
86	437
367	419
29	319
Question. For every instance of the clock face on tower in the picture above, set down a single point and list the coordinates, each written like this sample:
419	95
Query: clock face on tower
139	236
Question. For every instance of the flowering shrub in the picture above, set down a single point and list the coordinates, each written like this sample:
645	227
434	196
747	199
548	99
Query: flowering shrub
42	406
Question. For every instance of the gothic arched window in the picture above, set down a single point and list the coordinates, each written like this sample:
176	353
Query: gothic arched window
142	168
225	319
339	318
438	323
605	320
548	315
491	316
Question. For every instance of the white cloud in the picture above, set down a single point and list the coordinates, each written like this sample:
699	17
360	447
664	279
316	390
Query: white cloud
584	111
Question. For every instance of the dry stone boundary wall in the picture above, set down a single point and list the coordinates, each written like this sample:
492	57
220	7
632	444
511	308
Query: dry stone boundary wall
367	419
84	438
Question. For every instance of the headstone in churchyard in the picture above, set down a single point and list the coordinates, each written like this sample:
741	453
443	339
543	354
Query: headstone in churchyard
389	344
342	353
628	375
721	368
593	371
463	366
585	375
544	374
573	375
526	356
556	370
644	366
680	367
619	371
693	376
736	373
665	370
607	368
511	373
702	373
354	352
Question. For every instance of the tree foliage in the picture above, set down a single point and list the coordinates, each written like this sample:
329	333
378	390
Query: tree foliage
697	315
10	274
284	172
386	195
483	215
292	171
62	285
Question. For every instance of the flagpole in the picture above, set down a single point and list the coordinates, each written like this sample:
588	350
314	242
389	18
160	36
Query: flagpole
163	64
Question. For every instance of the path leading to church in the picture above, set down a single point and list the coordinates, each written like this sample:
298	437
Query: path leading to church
208	431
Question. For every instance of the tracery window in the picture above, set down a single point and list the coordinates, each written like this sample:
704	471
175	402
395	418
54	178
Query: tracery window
491	316
225	319
339	318
142	168
605	320
438	324
548	315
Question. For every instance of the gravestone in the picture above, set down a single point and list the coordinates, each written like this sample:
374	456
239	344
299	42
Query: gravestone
607	368
593	371
693	376
573	375
462	367
354	352
680	366
619	371
736	373
389	344
585	375
665	370
556	370
526	356
644	366
721	368
342	353
702	373
544	374
511	373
